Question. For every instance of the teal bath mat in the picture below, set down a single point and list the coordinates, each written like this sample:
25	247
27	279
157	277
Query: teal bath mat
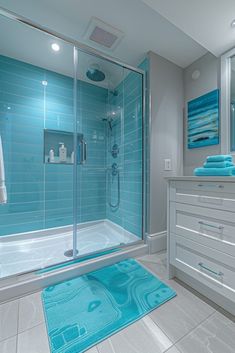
87	309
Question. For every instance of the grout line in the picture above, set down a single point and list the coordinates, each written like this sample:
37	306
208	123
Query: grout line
7	338
193	329
150	262
159	276
201	323
30	328
174	346
18	319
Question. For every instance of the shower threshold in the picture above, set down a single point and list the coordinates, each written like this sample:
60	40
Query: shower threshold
26	252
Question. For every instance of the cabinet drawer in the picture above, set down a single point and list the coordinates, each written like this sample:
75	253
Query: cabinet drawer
214	202
207	194
217	215
204	186
206	230
214	269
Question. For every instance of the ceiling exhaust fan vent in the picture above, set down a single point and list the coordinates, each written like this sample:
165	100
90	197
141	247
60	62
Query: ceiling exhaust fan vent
103	34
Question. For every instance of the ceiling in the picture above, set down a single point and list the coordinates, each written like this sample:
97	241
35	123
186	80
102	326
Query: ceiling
181	31
34	47
208	22
144	29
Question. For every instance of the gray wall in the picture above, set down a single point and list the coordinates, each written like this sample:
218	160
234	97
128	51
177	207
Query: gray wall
209	80
166	138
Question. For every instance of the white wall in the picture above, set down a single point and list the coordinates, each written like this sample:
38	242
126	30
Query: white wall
166	138
209	67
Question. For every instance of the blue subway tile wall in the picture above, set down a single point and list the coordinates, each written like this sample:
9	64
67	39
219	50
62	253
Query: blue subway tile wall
91	192
21	126
127	133
41	195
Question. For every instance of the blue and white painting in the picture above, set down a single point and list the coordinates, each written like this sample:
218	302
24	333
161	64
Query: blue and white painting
203	120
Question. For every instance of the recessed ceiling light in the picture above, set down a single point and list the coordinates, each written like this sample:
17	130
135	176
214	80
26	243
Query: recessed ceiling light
44	83
55	47
233	24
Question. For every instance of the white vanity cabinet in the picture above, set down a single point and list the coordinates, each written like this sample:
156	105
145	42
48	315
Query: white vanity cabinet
201	235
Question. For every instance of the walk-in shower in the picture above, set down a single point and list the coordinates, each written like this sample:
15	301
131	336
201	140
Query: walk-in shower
71	128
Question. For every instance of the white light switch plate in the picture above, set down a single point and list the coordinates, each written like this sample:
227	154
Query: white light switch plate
168	164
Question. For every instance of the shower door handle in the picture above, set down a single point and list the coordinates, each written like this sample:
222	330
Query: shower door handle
84	152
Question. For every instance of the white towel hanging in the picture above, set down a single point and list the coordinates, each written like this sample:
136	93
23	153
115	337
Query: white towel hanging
3	190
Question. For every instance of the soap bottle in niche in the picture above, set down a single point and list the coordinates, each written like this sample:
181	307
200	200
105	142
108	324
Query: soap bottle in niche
62	153
51	156
72	157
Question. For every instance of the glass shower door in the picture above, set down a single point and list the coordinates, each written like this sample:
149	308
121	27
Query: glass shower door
110	173
71	145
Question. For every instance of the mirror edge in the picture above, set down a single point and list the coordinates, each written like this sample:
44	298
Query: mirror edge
225	102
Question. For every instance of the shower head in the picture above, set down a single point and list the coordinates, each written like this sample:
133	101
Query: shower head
95	74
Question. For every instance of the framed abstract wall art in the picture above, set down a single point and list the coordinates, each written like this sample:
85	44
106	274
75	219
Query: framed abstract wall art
203	120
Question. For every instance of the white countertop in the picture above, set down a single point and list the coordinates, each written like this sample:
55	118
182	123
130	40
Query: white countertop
204	178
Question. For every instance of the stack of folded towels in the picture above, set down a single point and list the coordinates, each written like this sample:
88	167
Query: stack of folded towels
220	165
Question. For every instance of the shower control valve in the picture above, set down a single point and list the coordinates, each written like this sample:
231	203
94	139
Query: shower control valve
114	169
115	150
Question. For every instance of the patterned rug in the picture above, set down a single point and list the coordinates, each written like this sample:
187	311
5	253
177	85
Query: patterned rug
88	309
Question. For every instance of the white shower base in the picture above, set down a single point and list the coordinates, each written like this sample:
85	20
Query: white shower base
35	250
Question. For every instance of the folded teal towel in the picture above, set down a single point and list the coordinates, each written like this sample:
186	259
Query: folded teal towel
220	158
230	171
224	164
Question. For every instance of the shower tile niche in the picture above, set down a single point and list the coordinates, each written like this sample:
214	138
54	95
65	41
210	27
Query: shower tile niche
52	141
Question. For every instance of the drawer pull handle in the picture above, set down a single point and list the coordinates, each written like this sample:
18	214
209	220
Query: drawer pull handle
202	266
211	186
210	225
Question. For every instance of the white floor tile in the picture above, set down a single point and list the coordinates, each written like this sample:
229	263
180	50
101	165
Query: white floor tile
142	336
156	263
33	341
216	334
9	345
174	350
8	319
92	350
155	258
158	269
30	312
180	315
186	319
